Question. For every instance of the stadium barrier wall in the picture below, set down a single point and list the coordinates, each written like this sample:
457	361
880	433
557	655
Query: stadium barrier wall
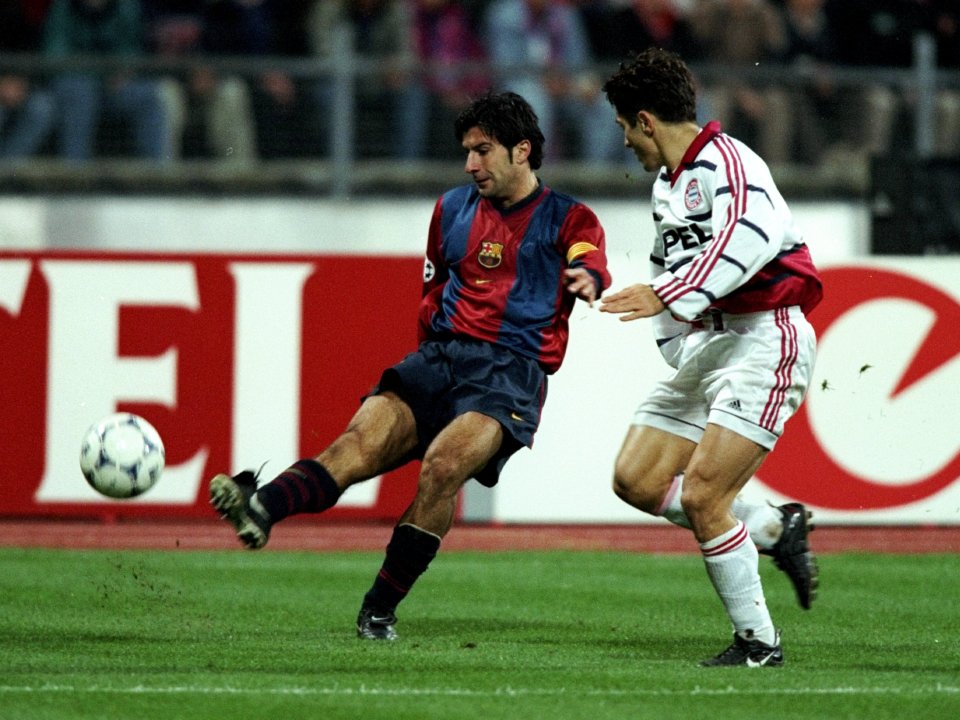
246	331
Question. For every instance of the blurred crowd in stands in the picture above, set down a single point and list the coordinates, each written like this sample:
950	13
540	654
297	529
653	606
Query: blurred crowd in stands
417	62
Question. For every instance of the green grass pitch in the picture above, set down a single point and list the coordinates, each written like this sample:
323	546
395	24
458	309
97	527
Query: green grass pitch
593	635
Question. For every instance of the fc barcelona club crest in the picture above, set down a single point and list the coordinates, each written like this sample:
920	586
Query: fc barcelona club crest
491	254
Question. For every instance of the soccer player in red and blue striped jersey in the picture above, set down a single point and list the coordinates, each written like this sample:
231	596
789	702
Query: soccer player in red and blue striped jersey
732	281
507	258
498	274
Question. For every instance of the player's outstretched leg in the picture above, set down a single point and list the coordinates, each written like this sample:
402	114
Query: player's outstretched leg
792	554
236	500
749	652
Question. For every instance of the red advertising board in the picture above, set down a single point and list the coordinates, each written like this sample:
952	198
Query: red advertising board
236	360
875	441
893	391
241	360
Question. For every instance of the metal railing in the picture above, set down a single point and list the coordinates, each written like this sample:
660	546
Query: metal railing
341	172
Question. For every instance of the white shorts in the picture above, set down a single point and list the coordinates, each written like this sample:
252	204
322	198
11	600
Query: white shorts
747	373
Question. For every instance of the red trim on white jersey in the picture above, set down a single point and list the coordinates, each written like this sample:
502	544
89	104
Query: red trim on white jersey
731	243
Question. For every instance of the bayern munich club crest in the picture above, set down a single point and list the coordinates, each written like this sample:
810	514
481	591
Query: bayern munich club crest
491	254
691	195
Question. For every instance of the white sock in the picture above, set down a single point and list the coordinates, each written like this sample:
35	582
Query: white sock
670	508
731	561
762	519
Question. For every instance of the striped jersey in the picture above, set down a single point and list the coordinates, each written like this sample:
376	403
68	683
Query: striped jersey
726	240
496	274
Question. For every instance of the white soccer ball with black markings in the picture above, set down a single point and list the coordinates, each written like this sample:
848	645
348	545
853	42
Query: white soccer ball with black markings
122	456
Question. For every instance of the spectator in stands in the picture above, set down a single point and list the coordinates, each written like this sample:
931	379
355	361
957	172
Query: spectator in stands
380	31
540	50
35	11
27	116
27	109
105	28
815	101
944	19
622	28
619	28
445	45
211	113
737	36
886	30
946	29
282	103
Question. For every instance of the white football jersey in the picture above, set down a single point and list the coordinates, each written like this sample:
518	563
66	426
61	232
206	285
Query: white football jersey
726	240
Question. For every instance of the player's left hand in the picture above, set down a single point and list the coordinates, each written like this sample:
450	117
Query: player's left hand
581	283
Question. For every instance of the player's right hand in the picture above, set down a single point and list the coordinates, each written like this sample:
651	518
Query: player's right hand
634	302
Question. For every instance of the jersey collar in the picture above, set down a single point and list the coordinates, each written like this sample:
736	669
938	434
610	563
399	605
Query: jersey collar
528	200
710	131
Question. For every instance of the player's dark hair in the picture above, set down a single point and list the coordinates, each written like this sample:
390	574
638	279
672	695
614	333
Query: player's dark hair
507	118
654	80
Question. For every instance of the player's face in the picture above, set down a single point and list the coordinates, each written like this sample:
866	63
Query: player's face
643	146
497	172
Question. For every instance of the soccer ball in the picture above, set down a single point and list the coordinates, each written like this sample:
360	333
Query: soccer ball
122	456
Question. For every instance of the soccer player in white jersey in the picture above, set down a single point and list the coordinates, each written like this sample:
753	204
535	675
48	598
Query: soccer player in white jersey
731	284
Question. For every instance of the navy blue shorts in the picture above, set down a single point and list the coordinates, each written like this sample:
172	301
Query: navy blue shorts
444	379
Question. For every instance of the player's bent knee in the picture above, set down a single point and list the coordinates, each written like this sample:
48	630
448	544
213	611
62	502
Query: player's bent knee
620	490
699	503
634	493
439	477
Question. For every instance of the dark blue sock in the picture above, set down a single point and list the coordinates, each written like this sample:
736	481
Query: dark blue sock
304	487
408	555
